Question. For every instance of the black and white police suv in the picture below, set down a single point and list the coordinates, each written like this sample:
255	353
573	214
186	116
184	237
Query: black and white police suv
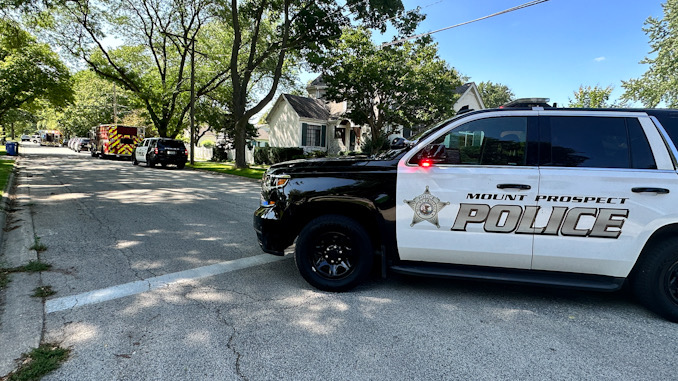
163	151
565	197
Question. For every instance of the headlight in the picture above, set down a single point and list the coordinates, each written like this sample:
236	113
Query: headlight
274	181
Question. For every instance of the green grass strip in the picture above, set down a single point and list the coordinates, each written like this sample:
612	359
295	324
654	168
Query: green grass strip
252	173
39	362
5	170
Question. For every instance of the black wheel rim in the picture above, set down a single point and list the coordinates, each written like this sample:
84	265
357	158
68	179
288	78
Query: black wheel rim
333	256
672	282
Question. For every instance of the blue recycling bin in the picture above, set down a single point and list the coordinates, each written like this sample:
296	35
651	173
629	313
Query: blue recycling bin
12	148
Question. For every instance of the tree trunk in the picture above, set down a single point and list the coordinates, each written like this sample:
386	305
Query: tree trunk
239	143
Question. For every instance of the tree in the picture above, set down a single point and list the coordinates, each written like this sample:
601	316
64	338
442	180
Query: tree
154	62
593	97
660	81
93	104
29	71
398	85
18	122
495	94
269	34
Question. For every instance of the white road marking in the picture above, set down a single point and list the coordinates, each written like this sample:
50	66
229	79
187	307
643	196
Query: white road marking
140	286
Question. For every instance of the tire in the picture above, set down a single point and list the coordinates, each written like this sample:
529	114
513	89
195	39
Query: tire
149	162
134	159
655	280
334	253
181	165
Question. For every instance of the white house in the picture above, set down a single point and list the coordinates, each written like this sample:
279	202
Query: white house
318	125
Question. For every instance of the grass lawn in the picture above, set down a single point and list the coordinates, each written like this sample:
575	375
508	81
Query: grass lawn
252	173
6	166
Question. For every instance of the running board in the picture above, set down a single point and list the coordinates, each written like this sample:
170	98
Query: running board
503	275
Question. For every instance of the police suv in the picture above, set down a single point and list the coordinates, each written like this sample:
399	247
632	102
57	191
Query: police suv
565	197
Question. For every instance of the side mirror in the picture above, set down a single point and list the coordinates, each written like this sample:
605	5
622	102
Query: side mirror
398	143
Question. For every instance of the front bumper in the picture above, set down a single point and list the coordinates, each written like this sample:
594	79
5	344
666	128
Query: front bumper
273	236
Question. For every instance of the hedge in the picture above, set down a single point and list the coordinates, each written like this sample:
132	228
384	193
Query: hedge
273	155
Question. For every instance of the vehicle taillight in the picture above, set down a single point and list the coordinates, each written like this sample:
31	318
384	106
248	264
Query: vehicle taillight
185	152
155	150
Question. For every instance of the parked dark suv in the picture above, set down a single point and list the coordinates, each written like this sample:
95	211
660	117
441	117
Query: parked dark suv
160	150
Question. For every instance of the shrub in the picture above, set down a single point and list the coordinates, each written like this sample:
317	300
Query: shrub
280	154
316	154
262	155
208	144
219	153
374	146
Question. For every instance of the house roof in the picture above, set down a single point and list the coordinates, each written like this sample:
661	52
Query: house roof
469	89
308	107
318	81
262	133
462	89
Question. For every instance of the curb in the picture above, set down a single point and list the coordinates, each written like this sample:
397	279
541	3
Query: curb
22	320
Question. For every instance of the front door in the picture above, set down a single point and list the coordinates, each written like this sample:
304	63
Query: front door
467	194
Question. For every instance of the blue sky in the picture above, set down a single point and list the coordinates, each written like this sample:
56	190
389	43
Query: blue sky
547	50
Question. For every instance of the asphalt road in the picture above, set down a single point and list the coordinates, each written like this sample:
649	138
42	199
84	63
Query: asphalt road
159	276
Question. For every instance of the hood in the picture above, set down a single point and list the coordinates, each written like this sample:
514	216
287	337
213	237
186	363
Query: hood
330	165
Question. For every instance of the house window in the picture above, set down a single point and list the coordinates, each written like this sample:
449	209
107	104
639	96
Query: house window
312	135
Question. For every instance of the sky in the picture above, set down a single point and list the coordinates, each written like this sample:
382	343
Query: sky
546	50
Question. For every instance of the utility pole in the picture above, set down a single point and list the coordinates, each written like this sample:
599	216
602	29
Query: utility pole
192	100
115	104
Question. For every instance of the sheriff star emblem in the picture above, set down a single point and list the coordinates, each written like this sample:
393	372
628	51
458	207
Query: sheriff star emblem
426	207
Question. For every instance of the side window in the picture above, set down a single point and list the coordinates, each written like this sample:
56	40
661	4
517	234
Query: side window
596	142
491	141
641	153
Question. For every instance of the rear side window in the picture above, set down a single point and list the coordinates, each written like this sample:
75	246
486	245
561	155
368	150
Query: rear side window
669	121
641	153
595	142
170	144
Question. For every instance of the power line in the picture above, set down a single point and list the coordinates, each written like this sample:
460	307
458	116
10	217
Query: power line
529	4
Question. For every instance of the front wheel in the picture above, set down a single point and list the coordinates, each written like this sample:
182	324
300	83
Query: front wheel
334	253
134	159
655	281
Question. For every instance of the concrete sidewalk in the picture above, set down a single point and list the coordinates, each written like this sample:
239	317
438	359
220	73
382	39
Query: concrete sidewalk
21	315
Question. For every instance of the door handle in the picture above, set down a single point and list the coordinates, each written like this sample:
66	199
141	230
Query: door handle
514	186
650	190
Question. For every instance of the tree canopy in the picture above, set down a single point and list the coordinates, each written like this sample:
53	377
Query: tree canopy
660	81
93	104
399	85
268	35
593	97
143	46
495	94
29	71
